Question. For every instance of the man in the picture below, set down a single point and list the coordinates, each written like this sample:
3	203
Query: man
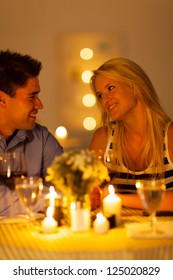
19	105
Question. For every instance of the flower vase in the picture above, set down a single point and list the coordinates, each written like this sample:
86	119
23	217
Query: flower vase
80	215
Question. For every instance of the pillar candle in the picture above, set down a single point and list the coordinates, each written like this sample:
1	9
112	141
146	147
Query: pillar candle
112	205
80	217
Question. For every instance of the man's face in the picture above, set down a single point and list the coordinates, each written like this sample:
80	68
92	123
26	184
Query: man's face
22	109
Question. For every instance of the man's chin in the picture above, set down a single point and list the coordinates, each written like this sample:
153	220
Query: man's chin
32	126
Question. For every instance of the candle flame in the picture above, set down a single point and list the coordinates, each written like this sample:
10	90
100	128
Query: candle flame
49	212
111	189
99	216
52	189
72	205
8	172
52	195
138	185
108	159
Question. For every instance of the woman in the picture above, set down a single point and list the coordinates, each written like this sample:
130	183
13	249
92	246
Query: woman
136	138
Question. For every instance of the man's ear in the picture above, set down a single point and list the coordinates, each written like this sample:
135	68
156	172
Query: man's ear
3	98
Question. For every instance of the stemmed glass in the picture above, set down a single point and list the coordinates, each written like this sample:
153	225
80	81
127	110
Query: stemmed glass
29	190
12	165
151	193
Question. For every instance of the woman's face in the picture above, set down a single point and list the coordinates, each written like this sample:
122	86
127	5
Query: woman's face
117	99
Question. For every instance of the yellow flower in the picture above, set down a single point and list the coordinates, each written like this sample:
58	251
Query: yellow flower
77	172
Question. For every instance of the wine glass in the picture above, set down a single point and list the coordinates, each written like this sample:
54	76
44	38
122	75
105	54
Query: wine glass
12	165
29	190
151	193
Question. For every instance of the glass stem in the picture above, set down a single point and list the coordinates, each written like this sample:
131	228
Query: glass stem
29	214
11	204
153	223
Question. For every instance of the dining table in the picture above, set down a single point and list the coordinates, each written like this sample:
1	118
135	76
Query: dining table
23	240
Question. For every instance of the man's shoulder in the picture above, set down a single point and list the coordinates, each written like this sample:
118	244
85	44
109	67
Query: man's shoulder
39	131
40	127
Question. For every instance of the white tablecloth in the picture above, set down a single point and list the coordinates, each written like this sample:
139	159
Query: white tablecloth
22	241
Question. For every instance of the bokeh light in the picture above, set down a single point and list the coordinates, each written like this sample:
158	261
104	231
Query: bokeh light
61	132
86	53
89	100
89	123
86	75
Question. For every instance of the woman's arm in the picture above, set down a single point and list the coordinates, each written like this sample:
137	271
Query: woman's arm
167	204
133	201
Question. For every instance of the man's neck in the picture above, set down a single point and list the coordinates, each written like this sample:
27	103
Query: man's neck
11	136
7	135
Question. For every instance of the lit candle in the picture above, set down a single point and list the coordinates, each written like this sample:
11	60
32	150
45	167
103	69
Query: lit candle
101	224
112	205
49	224
54	199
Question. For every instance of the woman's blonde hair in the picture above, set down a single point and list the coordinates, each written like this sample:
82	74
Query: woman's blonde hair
128	72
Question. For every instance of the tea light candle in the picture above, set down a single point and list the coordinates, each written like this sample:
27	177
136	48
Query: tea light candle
49	224
112	205
101	224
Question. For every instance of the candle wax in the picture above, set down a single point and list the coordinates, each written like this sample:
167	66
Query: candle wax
101	224
49	225
112	206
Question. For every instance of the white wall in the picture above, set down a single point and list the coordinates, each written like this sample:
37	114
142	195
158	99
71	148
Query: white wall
36	27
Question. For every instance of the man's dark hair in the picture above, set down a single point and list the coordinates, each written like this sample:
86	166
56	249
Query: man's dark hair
15	70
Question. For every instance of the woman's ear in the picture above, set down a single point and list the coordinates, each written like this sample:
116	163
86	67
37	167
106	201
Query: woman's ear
135	90
3	98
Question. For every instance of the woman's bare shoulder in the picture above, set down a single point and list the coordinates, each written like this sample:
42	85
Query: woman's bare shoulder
101	131
99	139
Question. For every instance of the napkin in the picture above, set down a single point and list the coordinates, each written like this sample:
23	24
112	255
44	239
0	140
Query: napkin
141	230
